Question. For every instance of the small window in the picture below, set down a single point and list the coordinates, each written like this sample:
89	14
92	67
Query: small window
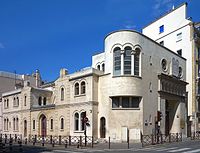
180	72
62	123
76	89
164	64
24	100
103	67
62	92
40	101
179	52
17	102
33	124
51	126
83	87
98	67
179	37
161	29
83	115
44	101
162	43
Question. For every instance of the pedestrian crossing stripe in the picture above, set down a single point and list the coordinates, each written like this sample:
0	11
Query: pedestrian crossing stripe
192	151
182	149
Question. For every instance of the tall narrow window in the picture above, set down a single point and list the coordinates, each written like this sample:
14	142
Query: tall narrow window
17	124
98	67
7	103
14	124
51	124
137	62
83	87
76	122
17	102
117	61
40	101
76	89
83	115
5	125
62	94
24	100
127	60
33	124
103	67
44	101
62	123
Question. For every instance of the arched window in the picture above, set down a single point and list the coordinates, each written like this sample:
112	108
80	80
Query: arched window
17	101
76	121
40	101
44	101
76	89
62	92
17	124
51	126
117	61
127	60
103	67
137	62
98	67
83	87
62	123
33	124
7	124
14	124
83	115
25	100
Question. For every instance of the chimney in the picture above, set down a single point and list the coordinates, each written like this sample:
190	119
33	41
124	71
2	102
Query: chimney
37	78
63	72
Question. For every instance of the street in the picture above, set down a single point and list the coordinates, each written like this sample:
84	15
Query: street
182	147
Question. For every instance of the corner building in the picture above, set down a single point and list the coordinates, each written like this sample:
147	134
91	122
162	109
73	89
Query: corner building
132	80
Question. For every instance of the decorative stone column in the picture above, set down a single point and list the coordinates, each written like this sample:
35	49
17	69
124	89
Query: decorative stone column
122	62
133	52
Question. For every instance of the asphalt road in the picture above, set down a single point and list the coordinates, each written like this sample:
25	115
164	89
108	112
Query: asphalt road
181	147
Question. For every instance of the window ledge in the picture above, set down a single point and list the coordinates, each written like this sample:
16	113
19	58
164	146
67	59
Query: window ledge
79	95
78	131
136	76
178	40
125	108
62	130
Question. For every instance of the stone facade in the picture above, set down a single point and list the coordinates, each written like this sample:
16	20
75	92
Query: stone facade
132	80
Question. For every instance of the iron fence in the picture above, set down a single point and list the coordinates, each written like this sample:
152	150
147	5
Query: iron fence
160	138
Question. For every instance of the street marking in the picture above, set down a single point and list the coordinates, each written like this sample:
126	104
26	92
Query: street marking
182	149
65	151
192	151
166	149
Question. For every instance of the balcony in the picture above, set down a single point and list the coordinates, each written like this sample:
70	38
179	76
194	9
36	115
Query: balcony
43	107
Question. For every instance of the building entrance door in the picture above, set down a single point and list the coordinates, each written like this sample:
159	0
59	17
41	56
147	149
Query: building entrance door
102	127
43	126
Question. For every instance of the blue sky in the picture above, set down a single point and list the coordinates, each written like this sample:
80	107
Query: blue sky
53	34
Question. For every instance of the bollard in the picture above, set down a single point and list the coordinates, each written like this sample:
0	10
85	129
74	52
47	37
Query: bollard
42	141
51	139
176	137
69	140
59	139
169	137
109	142
80	141
128	141
85	141
5	138
65	143
15	137
92	141
53	143
78	144
152	139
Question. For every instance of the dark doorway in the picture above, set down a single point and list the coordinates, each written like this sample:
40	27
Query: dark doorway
25	128
43	125
102	127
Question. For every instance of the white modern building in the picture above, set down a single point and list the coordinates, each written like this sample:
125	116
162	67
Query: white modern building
129	84
176	31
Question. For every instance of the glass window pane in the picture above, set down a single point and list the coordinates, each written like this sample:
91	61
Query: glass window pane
115	102
125	102
135	102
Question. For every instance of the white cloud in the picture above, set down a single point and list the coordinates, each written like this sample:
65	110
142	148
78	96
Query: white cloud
129	26
1	46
